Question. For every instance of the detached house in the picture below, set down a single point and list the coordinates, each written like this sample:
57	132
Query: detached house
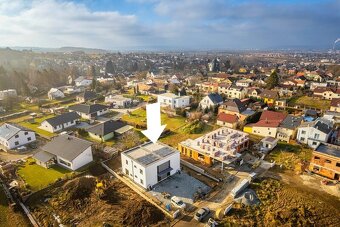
227	120
211	100
118	101
235	92
287	129
236	107
86	96
335	105
269	96
313	133
173	101
67	151
13	136
267	125
89	111
107	130
60	122
55	93
327	92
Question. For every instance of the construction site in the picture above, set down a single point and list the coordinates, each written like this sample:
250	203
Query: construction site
93	201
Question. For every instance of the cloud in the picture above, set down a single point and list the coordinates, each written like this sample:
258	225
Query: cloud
174	24
61	23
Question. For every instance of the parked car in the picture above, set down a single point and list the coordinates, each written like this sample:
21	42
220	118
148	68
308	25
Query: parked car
177	202
211	223
202	213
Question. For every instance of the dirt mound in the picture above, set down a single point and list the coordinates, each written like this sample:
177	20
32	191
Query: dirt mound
141	214
79	188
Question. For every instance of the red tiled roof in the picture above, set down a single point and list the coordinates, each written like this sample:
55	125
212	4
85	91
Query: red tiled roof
229	118
335	102
272	116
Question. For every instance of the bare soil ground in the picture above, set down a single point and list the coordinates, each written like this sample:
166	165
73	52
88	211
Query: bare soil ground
79	202
286	205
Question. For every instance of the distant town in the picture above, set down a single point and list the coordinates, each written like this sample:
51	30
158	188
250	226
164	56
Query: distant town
252	138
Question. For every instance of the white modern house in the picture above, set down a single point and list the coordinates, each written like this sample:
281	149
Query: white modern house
118	101
173	101
67	151
8	93
89	111
13	136
82	82
55	93
150	163
60	122
312	133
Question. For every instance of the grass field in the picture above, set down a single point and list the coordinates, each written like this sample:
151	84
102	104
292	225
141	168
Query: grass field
289	155
34	126
310	102
7	216
174	124
38	177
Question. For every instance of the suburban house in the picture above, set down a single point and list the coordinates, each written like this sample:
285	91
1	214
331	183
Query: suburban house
118	101
89	111
60	122
208	87
326	161
107	130
150	163
254	93
313	133
82	82
267	125
13	136
222	145
227	120
335	105
287	129
233	92
8	93
86	96
244	83
327	92
236	107
67	151
173	101
55	93
211	101
269	96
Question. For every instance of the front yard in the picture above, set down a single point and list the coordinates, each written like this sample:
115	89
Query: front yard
38	177
36	124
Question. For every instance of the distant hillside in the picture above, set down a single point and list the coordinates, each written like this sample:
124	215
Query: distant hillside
61	49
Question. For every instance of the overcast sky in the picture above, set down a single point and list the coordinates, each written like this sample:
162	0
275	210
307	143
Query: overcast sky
170	24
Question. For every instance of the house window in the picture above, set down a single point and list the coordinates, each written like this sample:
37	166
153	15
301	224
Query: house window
126	162
29	139
316	136
315	168
64	163
126	171
328	161
303	132
16	143
135	166
141	181
16	136
338	164
26	133
316	158
314	143
302	139
141	171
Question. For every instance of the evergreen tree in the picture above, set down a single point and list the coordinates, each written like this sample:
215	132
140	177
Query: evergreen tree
273	80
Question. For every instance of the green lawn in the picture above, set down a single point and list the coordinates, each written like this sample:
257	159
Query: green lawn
38	177
34	126
311	102
174	124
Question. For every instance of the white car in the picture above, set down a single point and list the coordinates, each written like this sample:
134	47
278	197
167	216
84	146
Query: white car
177	202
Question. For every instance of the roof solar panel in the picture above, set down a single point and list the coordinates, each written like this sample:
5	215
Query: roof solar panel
147	159
164	152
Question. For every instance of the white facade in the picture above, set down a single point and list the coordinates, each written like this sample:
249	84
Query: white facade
48	127
8	93
118	101
83	159
311	136
173	101
12	137
82	82
55	93
244	83
148	174
235	92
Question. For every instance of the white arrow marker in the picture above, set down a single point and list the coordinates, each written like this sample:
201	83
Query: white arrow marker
153	120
